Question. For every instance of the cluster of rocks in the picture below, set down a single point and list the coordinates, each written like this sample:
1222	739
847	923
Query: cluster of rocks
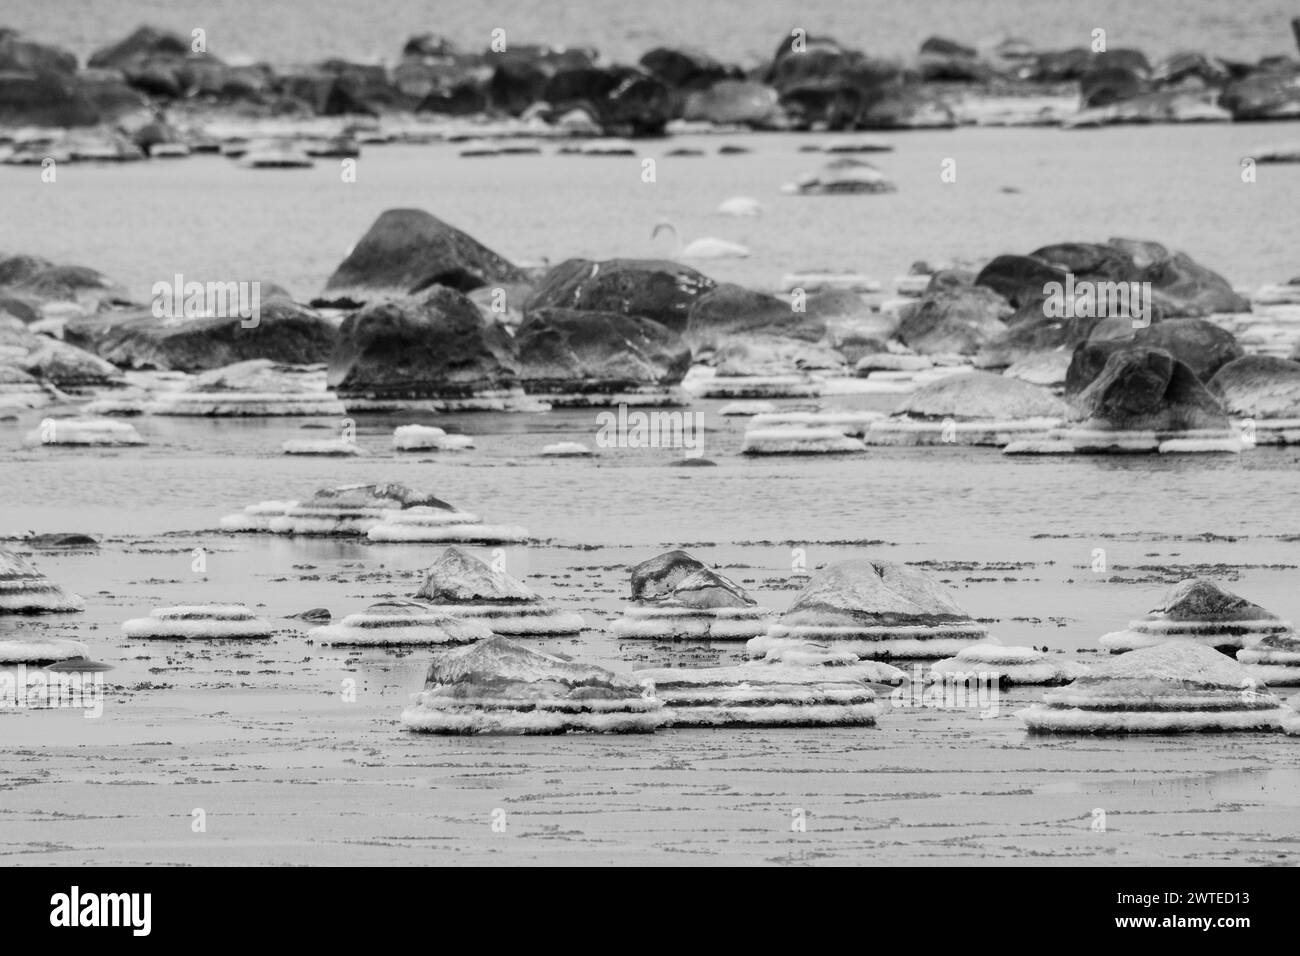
159	94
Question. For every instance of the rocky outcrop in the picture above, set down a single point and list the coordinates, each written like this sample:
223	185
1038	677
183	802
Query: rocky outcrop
1143	389
651	288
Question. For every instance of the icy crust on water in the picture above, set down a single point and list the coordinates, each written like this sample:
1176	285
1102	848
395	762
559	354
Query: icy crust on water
757	386
41	651
431	525
396	623
24	590
1010	665
1175	687
320	446
342	510
847	421
428	438
1070	441
675	596
1272	659
499	687
83	431
199	621
459	585
1199	610
877	609
765	695
243	404
799	440
908	431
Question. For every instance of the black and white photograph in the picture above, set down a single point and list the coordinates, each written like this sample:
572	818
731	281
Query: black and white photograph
700	433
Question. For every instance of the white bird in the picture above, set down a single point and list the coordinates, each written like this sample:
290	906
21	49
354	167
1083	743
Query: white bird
741	206
705	248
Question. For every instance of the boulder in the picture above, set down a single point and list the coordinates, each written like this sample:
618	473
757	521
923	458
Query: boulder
406	251
624	100
735	102
1258	386
953	321
730	311
1201	346
1019	279
572	351
25	56
981	396
655	578
436	345
1145	389
683	69
651	288
1269	94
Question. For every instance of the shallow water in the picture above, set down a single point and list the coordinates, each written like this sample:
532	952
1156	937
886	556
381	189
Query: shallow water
209	219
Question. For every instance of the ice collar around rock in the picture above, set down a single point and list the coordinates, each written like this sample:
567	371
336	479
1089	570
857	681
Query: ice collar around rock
459	577
860	591
1200	599
1175	662
500	660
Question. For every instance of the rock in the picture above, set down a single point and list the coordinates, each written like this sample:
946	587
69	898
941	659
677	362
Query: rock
1267	94
1175	687
622	99
736	102
500	687
891	362
52	99
1162	106
1046	369
843	175
683	69
400	624
24	590
1258	386
1180	285
1198	609
1104	85
462	586
436	345
284	333
1201	346
981	396
1145	389
878	610
342	510
58	363
584	357
731	312
957	321
19	55
406	251
651	288
199	622
1019	279
996	664
700	605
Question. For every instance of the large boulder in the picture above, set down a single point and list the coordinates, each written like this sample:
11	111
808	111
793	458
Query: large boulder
683	69
624	100
567	350
651	288
1180	285
408	250
53	361
55	99
859	592
956	320
729	102
1259	386
1268	94
435	345
1144	389
1030	333
1019	279
730	311
981	396
1200	345
285	332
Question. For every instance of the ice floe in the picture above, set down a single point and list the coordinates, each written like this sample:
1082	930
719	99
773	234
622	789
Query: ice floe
799	440
24	590
342	510
40	651
567	449
699	603
1006	665
83	431
460	585
199	621
428	438
1175	687
1272	658
1199	610
394	623
500	687
336	447
879	610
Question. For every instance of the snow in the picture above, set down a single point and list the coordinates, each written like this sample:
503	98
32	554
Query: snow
245	404
853	423
400	623
722	623
428	438
746	408
24	590
567	449
196	621
908	431
414	528
1040	719
256	517
517	620
1158	630
872	643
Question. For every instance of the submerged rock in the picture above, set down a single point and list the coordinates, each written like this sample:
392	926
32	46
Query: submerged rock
1176	687
199	621
400	623
24	590
876	609
460	585
1199	610
997	663
699	604
406	251
499	687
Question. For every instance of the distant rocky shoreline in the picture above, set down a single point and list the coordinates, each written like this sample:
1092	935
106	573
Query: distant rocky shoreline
160	94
